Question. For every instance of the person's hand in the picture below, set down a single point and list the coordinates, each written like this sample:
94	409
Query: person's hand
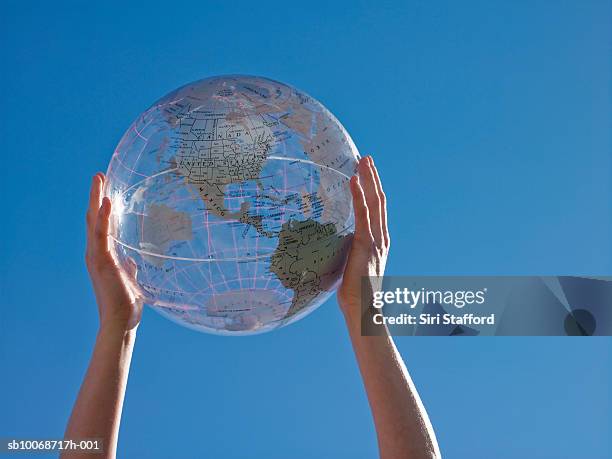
370	248
119	307
402	426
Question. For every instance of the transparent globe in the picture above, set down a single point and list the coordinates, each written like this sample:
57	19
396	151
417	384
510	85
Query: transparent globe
231	196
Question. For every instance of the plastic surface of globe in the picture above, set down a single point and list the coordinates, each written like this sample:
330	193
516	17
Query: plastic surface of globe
231	195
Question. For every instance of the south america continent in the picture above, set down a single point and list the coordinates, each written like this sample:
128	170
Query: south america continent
309	256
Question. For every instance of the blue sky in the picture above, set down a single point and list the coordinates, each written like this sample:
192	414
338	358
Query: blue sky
490	123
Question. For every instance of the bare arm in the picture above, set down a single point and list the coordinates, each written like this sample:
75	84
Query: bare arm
97	411
402	426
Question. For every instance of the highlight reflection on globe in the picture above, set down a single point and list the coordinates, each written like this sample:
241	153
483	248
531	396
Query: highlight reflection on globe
231	194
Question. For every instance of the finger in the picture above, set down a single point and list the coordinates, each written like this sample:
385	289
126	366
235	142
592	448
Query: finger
95	196
383	204
100	237
362	219
132	267
366	175
131	271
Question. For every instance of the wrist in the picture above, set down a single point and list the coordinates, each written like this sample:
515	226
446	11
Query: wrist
116	332
348	308
356	317
352	315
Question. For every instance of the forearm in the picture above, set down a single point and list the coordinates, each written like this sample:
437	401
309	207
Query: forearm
97	411
402	425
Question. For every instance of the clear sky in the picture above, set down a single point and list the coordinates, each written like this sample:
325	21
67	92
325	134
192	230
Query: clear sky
490	123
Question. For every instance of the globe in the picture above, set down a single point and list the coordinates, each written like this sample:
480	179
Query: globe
231	196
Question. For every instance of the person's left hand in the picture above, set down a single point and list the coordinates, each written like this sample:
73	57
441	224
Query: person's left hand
118	305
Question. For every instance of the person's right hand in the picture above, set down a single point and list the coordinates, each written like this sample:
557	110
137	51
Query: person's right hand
370	248
118	305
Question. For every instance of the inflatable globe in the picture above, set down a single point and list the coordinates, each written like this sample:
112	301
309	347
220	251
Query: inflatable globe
231	196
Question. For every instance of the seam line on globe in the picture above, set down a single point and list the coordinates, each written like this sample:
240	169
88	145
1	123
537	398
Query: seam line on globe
307	161
159	255
205	260
346	229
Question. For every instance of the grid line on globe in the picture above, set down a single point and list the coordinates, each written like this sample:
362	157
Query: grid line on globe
231	195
